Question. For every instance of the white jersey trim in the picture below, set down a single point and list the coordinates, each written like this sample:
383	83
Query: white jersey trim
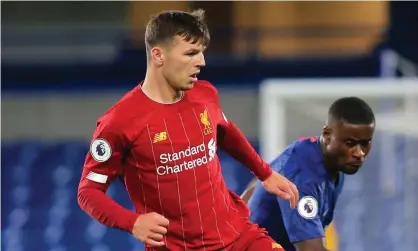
97	177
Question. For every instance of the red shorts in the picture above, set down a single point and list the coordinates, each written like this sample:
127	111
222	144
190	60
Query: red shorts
252	239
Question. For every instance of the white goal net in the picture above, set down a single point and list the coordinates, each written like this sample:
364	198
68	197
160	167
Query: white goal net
378	207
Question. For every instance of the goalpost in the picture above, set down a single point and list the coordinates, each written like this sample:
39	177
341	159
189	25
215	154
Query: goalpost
379	203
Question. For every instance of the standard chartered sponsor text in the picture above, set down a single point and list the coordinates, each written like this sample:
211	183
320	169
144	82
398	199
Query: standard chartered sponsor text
185	160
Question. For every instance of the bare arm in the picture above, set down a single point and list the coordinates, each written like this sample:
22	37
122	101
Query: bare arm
316	244
246	195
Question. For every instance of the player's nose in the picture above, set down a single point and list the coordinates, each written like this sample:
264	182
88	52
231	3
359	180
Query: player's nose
201	62
358	152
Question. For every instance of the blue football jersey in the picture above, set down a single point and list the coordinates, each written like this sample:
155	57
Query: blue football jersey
301	163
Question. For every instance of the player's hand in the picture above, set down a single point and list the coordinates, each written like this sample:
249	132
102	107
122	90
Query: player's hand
150	229
282	187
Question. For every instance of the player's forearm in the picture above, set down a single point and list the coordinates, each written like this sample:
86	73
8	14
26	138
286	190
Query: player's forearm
233	141
313	249
102	208
316	244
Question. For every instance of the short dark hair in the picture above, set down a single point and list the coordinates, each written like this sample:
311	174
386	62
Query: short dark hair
352	110
163	27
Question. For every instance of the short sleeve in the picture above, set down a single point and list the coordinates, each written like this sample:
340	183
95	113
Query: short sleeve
104	159
303	222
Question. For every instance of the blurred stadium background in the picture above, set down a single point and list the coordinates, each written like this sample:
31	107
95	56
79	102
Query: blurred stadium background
65	63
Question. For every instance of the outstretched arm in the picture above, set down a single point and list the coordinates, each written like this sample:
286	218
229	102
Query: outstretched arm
232	141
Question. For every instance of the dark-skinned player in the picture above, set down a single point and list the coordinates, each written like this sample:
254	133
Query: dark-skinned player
317	166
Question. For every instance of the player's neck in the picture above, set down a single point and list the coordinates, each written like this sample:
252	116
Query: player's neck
328	162
156	87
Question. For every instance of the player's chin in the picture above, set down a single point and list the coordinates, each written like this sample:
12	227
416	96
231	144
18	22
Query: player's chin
351	169
187	86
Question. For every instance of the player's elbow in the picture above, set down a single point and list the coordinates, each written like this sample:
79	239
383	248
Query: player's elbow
87	192
314	249
310	248
315	244
82	197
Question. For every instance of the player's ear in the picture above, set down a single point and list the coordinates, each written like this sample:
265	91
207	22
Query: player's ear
157	55
326	134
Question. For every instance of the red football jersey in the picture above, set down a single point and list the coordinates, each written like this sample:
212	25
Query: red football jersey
166	156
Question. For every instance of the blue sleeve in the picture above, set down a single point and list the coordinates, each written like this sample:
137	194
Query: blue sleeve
303	222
